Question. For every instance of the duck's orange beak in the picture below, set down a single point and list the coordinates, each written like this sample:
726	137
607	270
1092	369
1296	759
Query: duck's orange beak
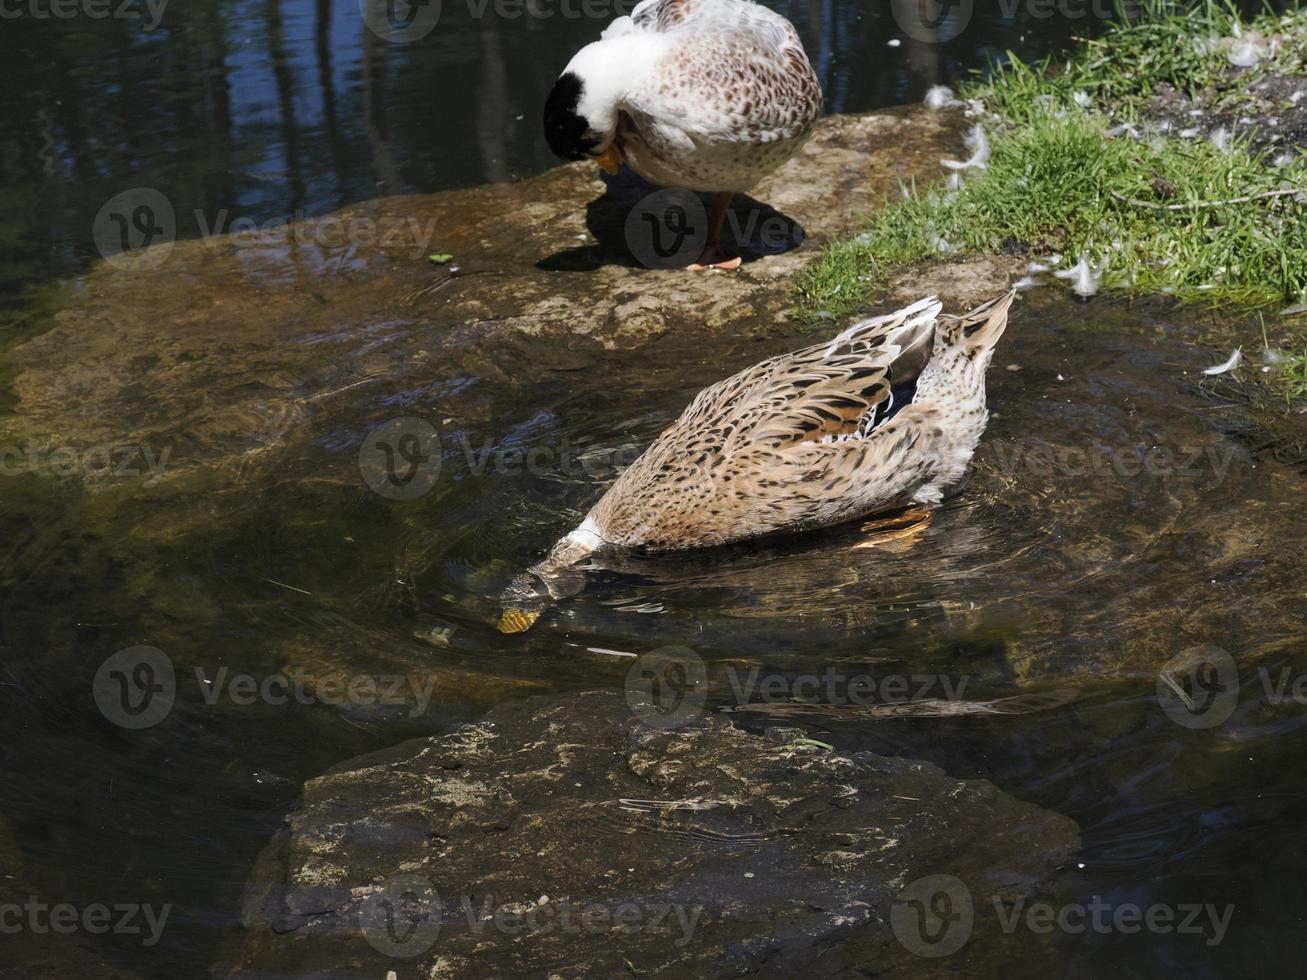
610	159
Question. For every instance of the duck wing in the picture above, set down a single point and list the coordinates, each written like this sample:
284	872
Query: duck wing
831	392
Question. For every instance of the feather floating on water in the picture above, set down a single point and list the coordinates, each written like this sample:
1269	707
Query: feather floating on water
1083	276
1233	362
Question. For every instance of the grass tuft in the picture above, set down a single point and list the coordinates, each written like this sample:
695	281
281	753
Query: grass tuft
1157	214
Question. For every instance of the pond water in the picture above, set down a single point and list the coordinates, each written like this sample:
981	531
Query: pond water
1122	510
265	109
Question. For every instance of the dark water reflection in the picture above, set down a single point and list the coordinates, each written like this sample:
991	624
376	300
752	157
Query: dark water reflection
261	109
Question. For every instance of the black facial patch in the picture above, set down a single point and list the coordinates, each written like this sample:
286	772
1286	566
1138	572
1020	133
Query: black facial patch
565	129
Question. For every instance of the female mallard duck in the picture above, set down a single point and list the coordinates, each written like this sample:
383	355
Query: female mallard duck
886	415
706	95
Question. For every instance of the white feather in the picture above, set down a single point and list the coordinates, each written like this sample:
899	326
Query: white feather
1231	363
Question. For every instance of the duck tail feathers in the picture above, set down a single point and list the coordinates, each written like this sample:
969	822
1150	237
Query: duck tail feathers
982	327
909	320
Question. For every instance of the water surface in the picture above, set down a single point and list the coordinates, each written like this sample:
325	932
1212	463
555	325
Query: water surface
1046	594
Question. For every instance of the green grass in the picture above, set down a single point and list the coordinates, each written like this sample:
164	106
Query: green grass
1057	182
1293	374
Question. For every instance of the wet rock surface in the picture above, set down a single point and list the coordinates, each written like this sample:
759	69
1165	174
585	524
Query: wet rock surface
727	853
236	347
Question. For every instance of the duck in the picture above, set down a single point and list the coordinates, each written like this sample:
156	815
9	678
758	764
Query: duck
701	95
883	417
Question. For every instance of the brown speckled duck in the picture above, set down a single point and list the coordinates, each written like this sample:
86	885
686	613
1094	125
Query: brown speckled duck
706	95
886	415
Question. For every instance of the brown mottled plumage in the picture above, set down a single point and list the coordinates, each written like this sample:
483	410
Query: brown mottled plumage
730	97
706	95
885	415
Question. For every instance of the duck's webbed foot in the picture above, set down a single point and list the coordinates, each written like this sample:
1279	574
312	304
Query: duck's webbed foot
715	258
897	532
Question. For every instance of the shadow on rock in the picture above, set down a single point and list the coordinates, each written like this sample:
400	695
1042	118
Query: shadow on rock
639	224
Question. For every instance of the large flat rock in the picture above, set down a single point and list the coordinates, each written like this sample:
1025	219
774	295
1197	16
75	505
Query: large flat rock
759	854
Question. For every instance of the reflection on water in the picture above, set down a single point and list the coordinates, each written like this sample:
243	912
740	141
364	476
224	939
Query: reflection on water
263	109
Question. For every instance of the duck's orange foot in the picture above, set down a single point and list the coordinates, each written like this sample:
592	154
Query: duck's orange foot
898	532
715	258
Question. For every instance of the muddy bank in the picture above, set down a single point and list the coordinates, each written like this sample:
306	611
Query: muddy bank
764	852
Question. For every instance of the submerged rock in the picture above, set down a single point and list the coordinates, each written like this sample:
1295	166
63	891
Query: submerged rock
570	839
